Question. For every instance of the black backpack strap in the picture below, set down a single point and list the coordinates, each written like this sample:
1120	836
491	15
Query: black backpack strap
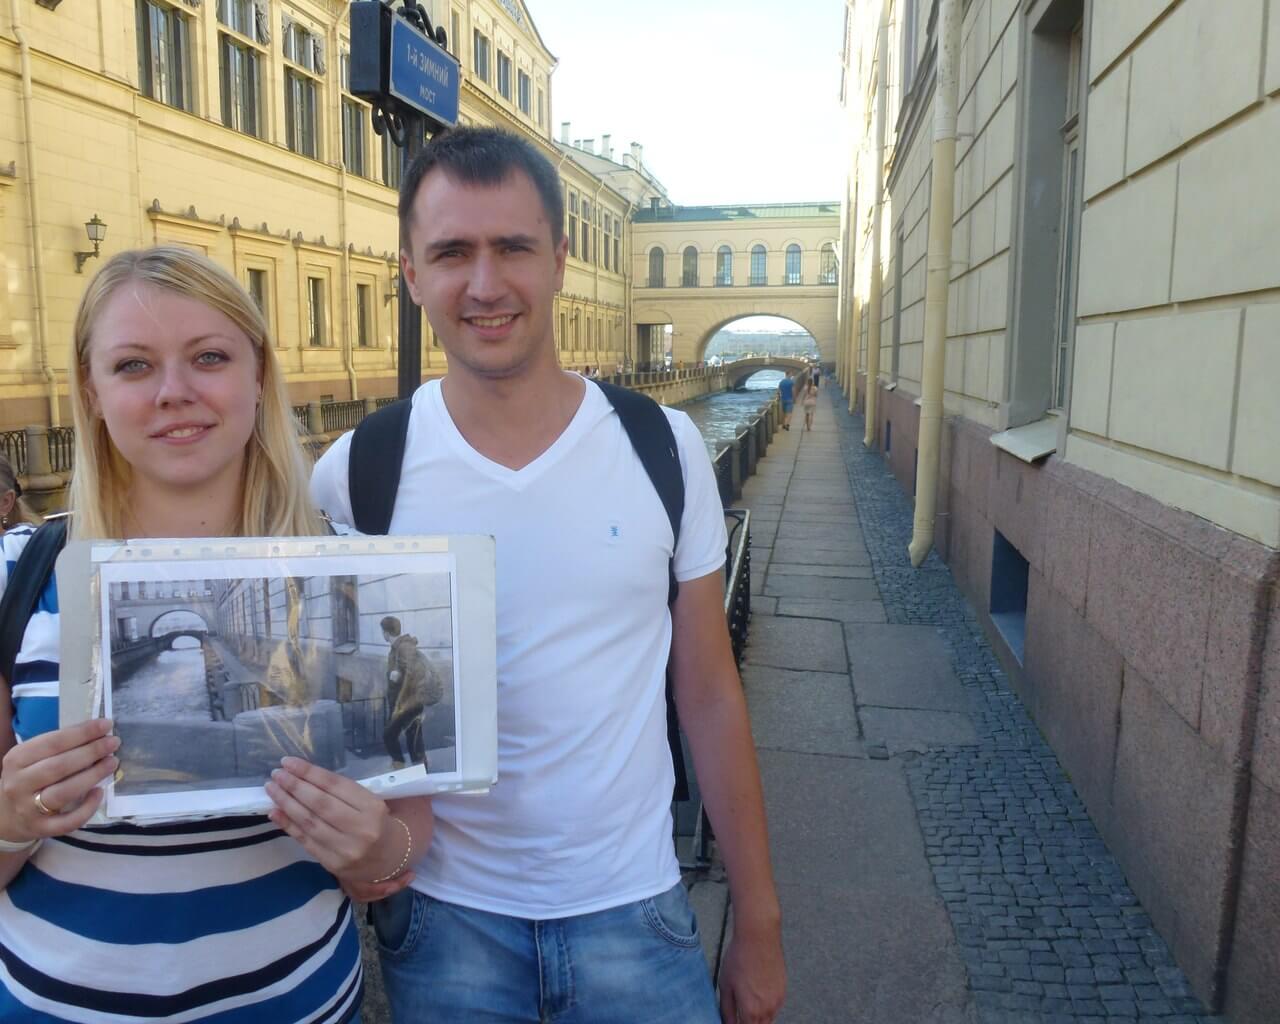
22	592
373	466
654	441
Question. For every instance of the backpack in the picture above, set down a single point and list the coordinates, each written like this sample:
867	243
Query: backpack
377	453
22	592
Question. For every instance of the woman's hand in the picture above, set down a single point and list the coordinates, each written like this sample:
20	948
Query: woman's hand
341	824
48	785
371	892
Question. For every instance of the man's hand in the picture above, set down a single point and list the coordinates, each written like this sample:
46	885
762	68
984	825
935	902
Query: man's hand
753	978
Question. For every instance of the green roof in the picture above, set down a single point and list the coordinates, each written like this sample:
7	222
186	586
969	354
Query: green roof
757	212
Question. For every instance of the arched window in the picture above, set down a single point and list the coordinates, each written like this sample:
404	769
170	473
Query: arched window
689	268
657	272
758	265
793	264
724	265
827	264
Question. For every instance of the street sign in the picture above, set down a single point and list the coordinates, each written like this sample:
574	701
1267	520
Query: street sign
424	76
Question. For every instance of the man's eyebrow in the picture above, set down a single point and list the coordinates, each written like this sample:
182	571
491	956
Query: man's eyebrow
465	243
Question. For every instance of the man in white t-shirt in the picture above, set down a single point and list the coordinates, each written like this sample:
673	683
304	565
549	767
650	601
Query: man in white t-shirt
557	895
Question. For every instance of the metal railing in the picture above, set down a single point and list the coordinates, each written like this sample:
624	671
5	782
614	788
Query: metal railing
300	414
14	445
692	828
338	416
62	448
380	403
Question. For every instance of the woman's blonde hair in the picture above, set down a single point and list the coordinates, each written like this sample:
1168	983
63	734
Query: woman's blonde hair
9	482
274	486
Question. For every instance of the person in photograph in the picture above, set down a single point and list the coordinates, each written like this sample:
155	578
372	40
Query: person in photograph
182	428
786	395
13	510
566	869
413	688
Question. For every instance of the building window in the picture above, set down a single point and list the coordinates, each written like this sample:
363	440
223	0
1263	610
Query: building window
353	136
827	268
1065	318
300	113
364	315
573	224
455	35
541	116
164	54
689	268
240	72
522	92
617	244
346	611
793	264
480	54
758	263
586	231
315	311
564	335
657	271
908	44
504	74
303	48
390	162
257	283
1047	215
724	266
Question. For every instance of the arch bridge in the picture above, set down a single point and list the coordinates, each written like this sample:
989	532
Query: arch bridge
699	268
738	371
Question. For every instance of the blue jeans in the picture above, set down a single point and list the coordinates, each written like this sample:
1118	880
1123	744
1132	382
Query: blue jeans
640	963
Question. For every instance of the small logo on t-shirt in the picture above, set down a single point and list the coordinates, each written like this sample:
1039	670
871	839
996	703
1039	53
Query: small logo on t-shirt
615	531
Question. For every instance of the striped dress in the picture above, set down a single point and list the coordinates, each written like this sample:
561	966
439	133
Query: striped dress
225	920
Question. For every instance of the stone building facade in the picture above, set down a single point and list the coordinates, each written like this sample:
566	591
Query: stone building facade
227	126
1109	490
698	268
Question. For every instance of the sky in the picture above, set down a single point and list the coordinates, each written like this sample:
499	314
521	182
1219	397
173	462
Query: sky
734	101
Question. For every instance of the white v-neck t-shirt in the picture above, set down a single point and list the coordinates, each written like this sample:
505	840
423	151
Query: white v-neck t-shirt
579	820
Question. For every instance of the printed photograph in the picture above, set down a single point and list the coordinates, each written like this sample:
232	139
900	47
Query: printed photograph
212	681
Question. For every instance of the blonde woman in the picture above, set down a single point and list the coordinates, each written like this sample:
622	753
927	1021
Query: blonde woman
182	429
13	510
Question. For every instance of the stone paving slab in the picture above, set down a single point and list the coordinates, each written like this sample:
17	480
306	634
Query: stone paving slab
831	533
900	666
843	572
811	712
841	611
800	644
860	914
901	729
820	588
800	552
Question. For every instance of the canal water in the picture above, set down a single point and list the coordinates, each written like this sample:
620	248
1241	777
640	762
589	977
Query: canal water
720	418
169	686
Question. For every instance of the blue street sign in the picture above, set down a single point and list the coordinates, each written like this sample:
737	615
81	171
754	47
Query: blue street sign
423	75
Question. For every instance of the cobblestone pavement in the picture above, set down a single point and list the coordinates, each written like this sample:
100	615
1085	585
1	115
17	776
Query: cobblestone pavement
1048	928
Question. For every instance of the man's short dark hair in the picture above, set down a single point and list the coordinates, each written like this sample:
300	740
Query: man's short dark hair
483	156
391	625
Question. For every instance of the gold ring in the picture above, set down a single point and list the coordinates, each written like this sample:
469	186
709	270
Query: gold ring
42	807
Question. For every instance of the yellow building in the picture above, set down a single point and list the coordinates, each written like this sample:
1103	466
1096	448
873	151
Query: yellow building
1109	365
698	268
226	126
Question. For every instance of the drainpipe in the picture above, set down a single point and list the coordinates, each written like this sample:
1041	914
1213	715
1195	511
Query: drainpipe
348	357
33	212
877	212
941	214
855	349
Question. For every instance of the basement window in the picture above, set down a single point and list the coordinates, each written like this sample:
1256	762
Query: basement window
1009	594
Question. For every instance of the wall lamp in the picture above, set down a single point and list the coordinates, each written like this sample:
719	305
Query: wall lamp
395	289
96	229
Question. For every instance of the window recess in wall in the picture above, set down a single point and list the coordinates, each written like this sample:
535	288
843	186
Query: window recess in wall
165	54
305	52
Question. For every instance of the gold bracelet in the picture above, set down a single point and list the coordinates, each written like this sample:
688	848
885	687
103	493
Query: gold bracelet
404	861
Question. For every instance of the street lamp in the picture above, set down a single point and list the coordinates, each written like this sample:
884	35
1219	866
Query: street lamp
96	229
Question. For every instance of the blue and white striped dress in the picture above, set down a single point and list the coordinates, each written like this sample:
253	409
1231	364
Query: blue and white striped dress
225	920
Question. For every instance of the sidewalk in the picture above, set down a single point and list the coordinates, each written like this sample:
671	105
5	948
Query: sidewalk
933	861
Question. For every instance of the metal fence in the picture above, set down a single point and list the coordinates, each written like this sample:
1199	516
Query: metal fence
339	416
62	448
14	445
